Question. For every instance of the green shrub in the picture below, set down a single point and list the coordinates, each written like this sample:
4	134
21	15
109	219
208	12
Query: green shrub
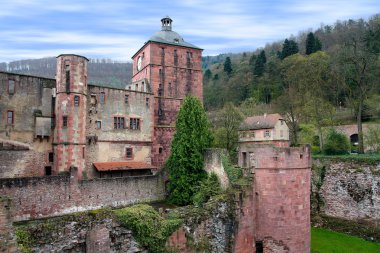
148	227
336	143
208	188
233	173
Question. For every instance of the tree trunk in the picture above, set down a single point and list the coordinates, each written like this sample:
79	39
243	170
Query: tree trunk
360	127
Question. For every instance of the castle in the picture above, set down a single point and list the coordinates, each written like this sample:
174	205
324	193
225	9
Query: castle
69	146
51	125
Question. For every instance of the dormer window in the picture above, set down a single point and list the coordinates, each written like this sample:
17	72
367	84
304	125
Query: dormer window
176	40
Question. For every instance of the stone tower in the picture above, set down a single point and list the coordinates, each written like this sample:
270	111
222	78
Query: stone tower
172	67
70	113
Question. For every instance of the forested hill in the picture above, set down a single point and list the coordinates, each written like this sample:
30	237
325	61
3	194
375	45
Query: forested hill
259	76
100	71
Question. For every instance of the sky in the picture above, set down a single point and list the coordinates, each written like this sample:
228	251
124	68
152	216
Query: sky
116	29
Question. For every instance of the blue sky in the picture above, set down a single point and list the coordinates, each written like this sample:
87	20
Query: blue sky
115	29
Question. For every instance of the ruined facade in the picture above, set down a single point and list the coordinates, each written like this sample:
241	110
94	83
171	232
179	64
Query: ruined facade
50	125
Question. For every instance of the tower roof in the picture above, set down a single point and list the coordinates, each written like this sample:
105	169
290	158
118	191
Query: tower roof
167	36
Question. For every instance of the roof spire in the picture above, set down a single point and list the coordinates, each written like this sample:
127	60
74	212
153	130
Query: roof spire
166	24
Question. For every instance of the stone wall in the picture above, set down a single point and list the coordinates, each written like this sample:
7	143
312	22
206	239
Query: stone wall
347	189
56	195
213	164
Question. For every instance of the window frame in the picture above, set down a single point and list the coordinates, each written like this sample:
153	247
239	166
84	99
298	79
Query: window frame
13	88
134	123
96	124
266	133
76	101
12	117
127	150
65	121
118	122
102	98
126	99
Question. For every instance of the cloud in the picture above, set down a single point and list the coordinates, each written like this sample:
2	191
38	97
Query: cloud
116	28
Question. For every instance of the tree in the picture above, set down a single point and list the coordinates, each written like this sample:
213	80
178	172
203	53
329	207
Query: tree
228	66
185	163
260	64
310	43
207	75
228	121
357	65
289	48
336	143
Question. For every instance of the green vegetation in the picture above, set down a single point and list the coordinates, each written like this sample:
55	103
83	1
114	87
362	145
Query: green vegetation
185	163
336	144
149	228
325	241
208	188
367	158
233	173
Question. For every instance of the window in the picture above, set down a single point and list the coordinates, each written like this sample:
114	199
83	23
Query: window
64	121
48	171
11	87
76	101
67	72
51	157
159	112
93	100
102	98
134	124
162	51
137	87
10	118
83	152
267	133
160	150
142	87
126	99
129	153
118	122
98	124
147	102
244	157
175	58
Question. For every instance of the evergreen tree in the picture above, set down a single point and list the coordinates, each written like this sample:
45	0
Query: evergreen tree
318	45
310	43
185	163
260	64
228	66
289	47
207	75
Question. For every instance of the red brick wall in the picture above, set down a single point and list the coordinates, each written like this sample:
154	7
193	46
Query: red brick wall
282	186
57	195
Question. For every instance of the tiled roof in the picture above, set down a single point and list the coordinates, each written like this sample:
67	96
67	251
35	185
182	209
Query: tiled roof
112	166
260	122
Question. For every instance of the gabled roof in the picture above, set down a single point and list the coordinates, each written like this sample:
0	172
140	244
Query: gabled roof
117	166
265	121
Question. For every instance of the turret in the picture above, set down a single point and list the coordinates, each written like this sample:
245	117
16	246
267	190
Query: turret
70	113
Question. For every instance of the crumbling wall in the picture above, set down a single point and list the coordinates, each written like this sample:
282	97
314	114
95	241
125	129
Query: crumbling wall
213	164
56	195
347	189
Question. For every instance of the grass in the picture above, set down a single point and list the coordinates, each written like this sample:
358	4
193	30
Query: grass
373	158
326	241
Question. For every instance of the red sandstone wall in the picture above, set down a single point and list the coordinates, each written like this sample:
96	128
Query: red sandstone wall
56	195
282	185
70	141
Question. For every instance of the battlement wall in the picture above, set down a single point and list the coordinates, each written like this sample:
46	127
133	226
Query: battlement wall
40	197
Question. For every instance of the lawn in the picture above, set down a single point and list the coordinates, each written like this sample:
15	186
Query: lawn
326	241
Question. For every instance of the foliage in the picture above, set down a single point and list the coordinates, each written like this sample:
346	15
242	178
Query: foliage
289	48
228	66
336	143
226	126
368	158
372	138
185	163
259	67
233	173
313	44
323	240
207	75
208	188
24	240
149	228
